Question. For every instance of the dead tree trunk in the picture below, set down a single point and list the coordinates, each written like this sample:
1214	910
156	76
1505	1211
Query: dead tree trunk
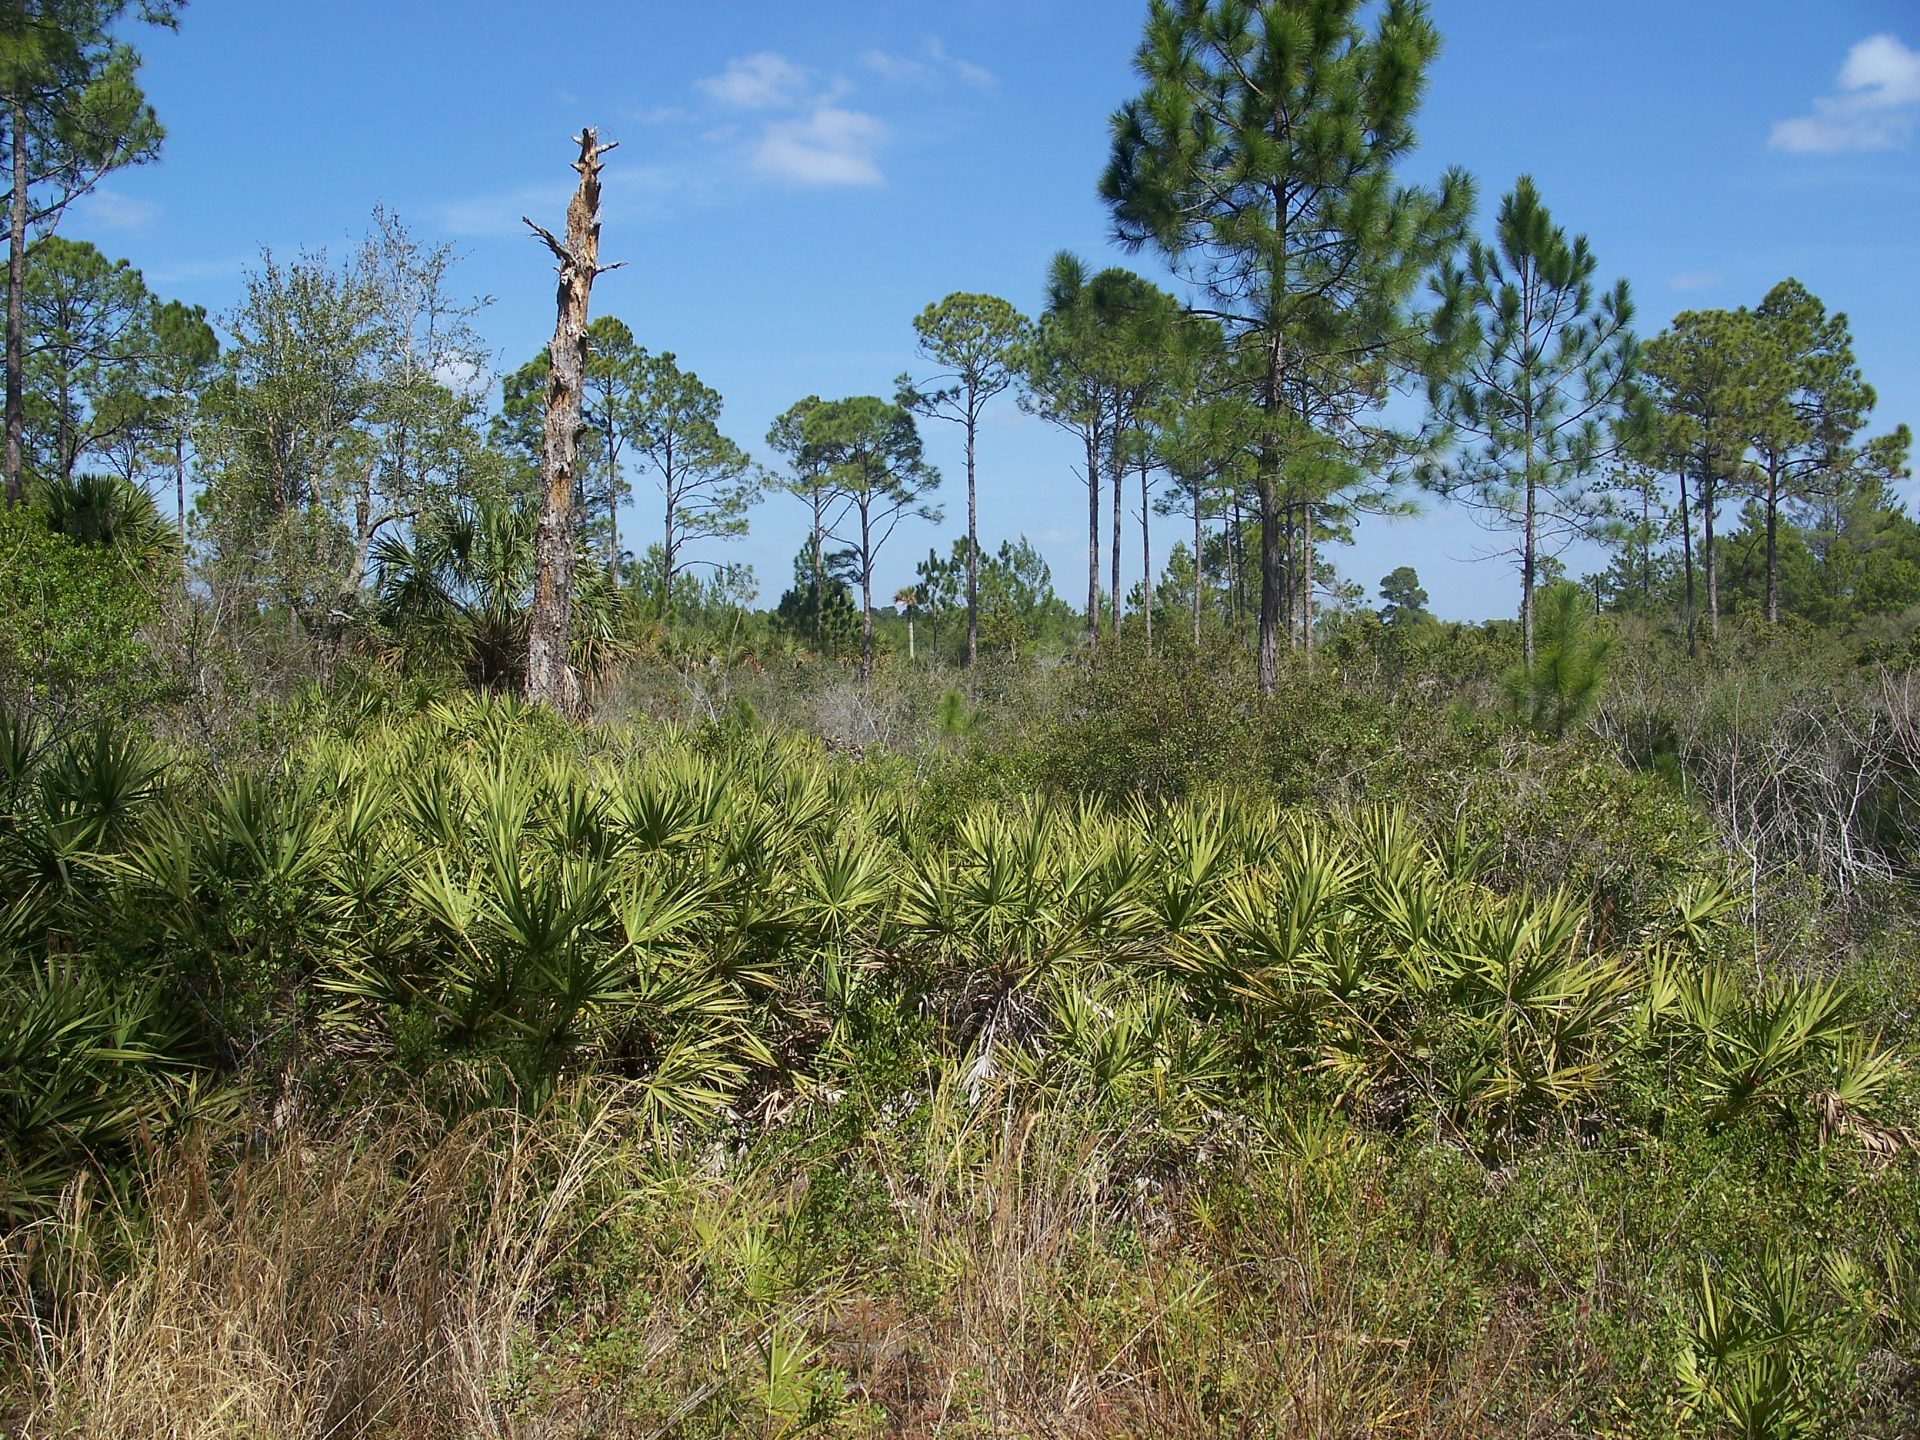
550	679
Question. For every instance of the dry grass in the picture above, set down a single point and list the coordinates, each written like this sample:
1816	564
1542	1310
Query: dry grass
369	1285
548	1278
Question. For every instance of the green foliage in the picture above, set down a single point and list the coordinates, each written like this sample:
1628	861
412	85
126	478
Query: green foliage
1405	600
1570	662
70	619
1543	384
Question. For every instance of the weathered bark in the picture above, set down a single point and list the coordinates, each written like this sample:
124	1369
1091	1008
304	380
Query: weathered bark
550	679
16	308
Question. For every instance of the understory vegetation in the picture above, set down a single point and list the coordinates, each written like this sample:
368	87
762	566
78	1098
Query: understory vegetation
442	1067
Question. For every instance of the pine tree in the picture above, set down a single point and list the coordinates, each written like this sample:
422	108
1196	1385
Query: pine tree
1547	371
1260	159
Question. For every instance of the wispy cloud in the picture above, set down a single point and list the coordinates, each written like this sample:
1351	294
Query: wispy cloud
111	210
763	81
1693	280
500	212
1876	107
828	145
931	66
811	139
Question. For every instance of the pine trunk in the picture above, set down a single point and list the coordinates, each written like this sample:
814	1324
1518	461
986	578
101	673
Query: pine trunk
1119	476
550	679
1093	538
1199	569
16	310
1773	543
1273	577
973	548
1146	561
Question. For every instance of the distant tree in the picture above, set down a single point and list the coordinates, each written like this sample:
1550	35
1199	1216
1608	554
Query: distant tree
332	421
1809	401
1260	159
873	455
90	335
1701	372
1086	373
705	479
1405	602
615	378
1017	599
978	344
185	356
73	113
1546	373
1197	429
1066	384
809	479
819	607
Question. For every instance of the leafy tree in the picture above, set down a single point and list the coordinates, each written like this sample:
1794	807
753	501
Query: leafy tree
1406	601
334	422
1809	403
70	621
1546	373
73	113
1260	160
872	454
705	479
979	344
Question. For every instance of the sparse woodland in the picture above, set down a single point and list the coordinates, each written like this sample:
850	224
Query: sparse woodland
468	968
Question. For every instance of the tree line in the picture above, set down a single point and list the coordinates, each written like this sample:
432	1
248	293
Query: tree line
338	456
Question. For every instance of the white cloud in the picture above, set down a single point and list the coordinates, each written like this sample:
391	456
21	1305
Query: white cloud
764	81
1876	109
931	66
113	211
827	146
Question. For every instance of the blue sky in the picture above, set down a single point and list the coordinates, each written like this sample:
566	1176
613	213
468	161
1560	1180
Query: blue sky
795	182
